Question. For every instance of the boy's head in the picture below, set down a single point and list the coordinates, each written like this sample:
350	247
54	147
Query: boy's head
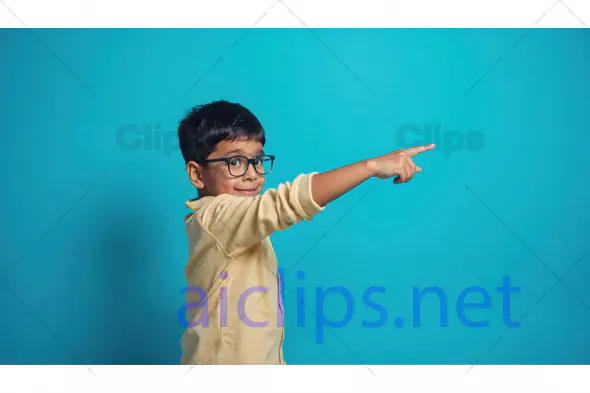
216	141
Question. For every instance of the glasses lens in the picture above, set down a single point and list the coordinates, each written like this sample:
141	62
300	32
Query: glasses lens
263	164
238	165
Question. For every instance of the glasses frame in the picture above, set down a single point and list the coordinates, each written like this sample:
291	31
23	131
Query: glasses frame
249	161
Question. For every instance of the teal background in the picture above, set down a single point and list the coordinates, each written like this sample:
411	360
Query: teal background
93	244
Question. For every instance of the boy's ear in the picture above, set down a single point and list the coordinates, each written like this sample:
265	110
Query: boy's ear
195	174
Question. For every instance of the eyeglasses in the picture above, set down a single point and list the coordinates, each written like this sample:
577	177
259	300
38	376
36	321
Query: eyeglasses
238	165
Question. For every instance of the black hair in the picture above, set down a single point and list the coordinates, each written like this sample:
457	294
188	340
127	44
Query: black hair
204	126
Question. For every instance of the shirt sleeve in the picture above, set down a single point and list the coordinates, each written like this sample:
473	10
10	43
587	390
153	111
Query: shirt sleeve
240	222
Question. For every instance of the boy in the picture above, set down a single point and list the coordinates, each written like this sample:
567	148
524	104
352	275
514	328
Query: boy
234	309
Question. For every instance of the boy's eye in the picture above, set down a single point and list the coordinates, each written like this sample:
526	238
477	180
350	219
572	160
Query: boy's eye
258	161
235	162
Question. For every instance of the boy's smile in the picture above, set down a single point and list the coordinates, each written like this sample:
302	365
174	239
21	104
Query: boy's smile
225	177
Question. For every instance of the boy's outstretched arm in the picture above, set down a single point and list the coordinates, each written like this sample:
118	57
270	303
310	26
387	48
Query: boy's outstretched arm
330	185
237	223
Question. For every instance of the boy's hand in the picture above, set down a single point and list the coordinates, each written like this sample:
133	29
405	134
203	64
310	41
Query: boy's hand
330	185
397	163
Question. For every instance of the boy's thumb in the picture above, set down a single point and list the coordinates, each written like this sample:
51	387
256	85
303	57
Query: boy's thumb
418	169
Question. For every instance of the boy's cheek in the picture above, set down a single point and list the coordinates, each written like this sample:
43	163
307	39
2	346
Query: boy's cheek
218	183
227	187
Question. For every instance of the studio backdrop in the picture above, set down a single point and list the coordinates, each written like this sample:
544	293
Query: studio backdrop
482	258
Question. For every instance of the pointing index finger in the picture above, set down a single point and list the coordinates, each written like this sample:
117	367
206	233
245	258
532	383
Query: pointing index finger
412	151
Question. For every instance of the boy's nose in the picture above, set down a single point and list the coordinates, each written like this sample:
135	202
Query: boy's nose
251	172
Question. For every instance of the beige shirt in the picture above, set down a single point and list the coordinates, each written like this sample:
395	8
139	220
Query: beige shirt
233	293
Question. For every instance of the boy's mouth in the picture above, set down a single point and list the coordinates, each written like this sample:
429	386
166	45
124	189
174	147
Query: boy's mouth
249	191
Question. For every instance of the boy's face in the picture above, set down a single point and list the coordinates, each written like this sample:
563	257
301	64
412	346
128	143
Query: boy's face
214	178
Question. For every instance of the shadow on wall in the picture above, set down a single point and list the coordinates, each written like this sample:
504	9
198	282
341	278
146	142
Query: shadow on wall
125	264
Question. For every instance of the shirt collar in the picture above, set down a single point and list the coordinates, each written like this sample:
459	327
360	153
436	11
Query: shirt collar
196	204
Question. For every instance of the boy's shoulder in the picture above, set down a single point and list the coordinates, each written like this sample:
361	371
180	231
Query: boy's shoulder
197	203
210	205
201	203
